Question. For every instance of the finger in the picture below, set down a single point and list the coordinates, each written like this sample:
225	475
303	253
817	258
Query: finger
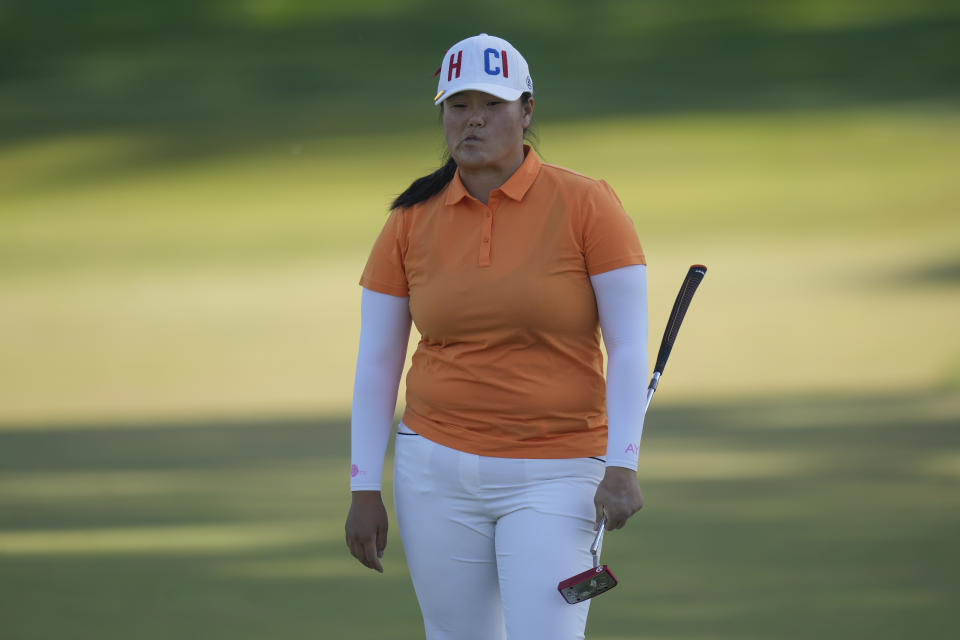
381	540
358	550
599	516
370	554
360	553
624	516
615	519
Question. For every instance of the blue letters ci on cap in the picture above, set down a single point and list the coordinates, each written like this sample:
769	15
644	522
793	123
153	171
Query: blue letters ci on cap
488	56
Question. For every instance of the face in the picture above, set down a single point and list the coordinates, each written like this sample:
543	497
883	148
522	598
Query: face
484	131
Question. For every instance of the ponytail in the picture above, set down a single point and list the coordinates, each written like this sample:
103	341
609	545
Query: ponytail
428	186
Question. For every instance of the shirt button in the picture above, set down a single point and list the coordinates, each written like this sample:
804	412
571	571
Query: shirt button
486	239
489	214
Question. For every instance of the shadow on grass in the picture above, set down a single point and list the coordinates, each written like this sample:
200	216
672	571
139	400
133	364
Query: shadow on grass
184	445
790	517
907	420
943	273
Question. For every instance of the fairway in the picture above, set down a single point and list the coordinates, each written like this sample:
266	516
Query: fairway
790	517
188	195
140	299
164	455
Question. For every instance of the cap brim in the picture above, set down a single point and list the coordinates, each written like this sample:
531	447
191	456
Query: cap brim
504	93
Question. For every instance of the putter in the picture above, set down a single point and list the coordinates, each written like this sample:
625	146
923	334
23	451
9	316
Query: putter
591	582
600	579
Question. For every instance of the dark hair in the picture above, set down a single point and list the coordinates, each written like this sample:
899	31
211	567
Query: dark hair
430	185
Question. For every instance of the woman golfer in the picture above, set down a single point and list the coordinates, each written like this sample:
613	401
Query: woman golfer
512	445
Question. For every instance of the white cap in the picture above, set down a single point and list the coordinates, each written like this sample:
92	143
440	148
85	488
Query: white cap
484	63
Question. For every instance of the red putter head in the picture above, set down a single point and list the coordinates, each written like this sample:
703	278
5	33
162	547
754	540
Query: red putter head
588	584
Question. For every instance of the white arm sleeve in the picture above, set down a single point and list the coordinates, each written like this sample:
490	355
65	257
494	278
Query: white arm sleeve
384	332
622	305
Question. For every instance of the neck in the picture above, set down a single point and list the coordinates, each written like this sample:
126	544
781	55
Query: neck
480	181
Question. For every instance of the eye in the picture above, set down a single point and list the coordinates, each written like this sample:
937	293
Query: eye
494	103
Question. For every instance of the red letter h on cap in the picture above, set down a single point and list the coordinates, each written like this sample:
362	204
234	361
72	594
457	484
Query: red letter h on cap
454	65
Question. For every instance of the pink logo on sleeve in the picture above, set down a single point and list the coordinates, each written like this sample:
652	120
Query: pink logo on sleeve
632	449
354	471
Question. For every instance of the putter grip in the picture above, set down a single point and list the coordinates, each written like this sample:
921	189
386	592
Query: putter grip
689	287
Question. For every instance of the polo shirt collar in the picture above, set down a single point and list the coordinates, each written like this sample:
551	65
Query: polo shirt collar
515	188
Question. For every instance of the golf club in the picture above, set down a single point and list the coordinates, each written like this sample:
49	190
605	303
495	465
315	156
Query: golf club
600	578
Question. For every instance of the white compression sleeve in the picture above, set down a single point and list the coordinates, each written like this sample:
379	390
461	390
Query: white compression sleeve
384	332
622	305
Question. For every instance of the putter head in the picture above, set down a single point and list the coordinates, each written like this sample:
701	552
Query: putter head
588	584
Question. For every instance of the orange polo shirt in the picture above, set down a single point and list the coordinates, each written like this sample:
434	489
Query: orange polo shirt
509	362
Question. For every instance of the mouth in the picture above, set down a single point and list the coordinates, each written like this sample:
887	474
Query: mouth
471	139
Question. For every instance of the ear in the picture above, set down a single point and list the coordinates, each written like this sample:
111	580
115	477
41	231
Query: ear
527	111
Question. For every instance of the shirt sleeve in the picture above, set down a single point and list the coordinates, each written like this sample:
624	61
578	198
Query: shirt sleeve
609	238
385	272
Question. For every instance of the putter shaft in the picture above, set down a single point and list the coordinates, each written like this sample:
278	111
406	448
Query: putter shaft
594	548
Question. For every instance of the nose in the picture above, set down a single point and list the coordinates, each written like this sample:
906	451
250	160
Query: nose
476	118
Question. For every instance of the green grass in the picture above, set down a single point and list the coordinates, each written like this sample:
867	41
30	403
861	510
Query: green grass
226	76
227	284
789	518
784	317
83	202
188	192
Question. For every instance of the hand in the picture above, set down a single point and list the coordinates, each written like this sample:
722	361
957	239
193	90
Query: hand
618	497
366	528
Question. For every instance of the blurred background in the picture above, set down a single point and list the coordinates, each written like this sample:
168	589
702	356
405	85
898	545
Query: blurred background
188	193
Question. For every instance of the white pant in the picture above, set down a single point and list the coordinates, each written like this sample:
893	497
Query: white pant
487	540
